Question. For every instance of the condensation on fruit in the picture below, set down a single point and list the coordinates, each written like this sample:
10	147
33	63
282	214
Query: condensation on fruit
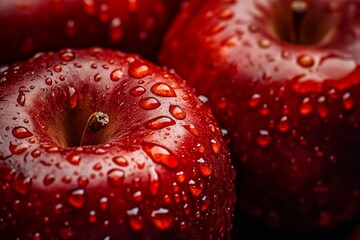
163	90
115	177
135	219
137	91
196	188
21	132
76	198
161	218
177	112
116	75
138	71
160	154
159	123
149	103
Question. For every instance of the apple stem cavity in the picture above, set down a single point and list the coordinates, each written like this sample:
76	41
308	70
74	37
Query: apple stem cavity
299	9
96	122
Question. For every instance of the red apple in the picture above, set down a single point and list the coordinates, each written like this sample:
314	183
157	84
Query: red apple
284	79
98	144
30	26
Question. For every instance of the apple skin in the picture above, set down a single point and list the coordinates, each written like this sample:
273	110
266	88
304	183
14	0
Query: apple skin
140	179
32	26
292	110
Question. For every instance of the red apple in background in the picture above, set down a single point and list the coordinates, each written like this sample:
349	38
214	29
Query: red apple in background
30	26
98	144
284	79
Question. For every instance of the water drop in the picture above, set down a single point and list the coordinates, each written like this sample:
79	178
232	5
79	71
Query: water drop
137	91
73	98
138	71
177	112
348	101
16	148
116	31
215	145
322	107
21	98
76	198
135	219
205	203
191	128
283	124
226	14
49	179
195	188
254	100
204	167
22	184
89	6
120	161
163	90
103	204
264	43
57	68
21	132
305	107
160	154
116	75
115	177
92	216
149	103
74	159
161	218
154	181
67	55
305	60
263	138
159	123
97	77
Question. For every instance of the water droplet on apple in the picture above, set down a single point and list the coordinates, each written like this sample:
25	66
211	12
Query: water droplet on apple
180	177
22	184
137	196
159	123
73	98
348	101
116	75
76	198
161	218
116	31
92	216
264	43
305	107
226	14
138	71
135	219
21	132
16	148
177	112
254	100
149	103
115	177
120	161
322	107
137	91
74	159
104	204
82	181
154	181
67	55
263	138
283	124
97	77
160	154
57	68
192	129
204	167
21	98
89	6
195	188
205	203
215	145
305	60
49	179
163	90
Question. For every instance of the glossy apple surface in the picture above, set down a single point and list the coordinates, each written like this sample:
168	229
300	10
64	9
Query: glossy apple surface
286	85
159	169
32	26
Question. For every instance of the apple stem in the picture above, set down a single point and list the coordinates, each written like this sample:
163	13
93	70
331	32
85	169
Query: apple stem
299	9
96	122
